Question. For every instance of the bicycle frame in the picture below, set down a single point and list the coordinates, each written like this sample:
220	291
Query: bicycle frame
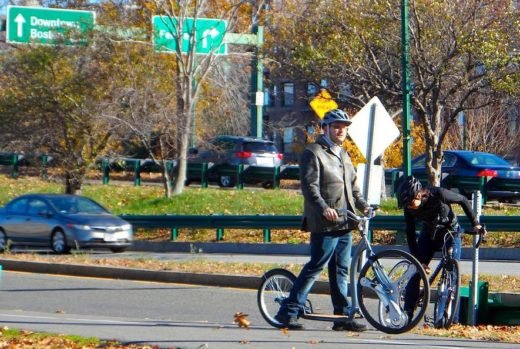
447	255
361	247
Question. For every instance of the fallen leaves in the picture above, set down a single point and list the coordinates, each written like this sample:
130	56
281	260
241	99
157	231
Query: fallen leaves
241	319
490	333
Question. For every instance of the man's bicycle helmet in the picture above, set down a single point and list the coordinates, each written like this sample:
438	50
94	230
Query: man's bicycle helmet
336	115
408	191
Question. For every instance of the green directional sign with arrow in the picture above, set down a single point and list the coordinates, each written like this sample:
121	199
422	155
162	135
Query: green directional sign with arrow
208	36
50	26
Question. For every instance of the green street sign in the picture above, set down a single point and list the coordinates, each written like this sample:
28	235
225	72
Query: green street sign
208	37
49	26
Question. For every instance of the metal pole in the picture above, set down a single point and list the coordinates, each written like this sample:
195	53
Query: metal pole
477	208
405	66
370	160
257	86
368	169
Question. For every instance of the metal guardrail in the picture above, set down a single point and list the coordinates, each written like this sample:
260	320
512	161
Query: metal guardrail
270	222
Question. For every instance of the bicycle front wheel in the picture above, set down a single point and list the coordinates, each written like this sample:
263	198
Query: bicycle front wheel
448	292
382	286
275	287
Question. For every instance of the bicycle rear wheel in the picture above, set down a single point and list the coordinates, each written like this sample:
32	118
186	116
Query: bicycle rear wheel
381	286
448	292
275	287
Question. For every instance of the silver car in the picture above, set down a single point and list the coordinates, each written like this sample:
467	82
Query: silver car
236	150
62	222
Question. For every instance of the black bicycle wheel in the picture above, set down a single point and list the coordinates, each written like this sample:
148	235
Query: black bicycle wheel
275	287
382	284
448	292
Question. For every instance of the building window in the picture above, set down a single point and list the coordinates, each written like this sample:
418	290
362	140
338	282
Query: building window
344	92
312	89
288	94
273	92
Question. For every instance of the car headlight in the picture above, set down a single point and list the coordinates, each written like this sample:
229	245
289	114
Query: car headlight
126	227
80	226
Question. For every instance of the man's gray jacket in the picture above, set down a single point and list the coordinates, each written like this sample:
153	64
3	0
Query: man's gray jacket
328	180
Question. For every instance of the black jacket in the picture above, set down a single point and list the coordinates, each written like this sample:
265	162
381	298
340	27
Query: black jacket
435	210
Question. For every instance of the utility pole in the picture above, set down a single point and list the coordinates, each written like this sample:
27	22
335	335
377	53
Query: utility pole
257	80
405	65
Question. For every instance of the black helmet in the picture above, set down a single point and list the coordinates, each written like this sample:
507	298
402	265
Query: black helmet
407	191
336	115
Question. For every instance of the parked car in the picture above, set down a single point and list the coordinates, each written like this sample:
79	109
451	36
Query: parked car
236	150
502	179
62	222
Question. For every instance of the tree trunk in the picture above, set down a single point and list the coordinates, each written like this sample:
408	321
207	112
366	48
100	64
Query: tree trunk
180	170
168	177
73	183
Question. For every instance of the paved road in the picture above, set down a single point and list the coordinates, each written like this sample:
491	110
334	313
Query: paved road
173	315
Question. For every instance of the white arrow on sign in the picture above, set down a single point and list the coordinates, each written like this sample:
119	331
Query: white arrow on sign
20	20
212	32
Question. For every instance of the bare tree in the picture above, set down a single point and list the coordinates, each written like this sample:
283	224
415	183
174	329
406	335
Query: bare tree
486	129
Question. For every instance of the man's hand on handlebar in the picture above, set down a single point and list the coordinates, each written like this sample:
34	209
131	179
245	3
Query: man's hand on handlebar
330	214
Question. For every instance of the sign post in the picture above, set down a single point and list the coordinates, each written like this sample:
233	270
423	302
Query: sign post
48	26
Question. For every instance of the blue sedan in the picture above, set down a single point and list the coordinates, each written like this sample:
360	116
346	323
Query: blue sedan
502	181
61	222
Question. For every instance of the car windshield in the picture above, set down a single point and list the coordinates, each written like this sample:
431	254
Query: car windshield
484	159
76	205
259	147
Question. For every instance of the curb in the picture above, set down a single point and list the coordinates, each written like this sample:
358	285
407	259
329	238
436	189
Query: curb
489	254
219	280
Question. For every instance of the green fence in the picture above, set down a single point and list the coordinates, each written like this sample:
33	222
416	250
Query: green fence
266	223
204	173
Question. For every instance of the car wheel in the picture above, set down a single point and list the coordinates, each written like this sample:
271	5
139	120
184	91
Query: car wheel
59	242
117	249
3	241
226	181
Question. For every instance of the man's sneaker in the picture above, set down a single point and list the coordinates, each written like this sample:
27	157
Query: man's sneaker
349	326
291	322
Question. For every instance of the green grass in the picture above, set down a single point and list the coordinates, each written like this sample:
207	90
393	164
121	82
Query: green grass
196	201
128	199
53	340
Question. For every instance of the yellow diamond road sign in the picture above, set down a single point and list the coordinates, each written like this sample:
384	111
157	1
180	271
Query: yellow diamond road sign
322	103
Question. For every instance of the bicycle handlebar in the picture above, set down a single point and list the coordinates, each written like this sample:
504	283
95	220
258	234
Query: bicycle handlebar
355	217
481	233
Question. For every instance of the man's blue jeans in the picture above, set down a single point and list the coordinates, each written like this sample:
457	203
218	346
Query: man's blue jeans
334	249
